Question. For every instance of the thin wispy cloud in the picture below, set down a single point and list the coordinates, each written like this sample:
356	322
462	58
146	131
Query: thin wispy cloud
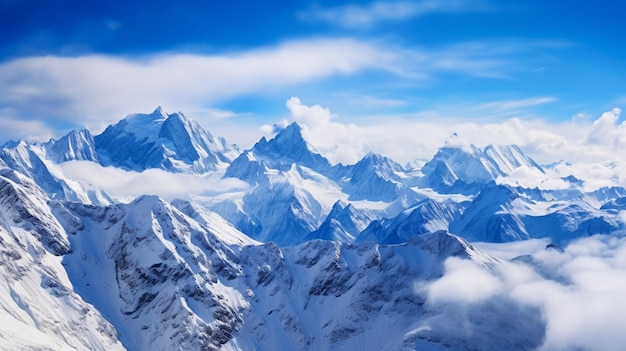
501	105
367	15
502	59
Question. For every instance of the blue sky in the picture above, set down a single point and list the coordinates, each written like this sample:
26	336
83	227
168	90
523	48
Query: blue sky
233	65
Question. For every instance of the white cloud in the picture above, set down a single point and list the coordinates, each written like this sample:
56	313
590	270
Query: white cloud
310	116
14	128
464	282
579	292
100	89
358	16
127	185
533	178
606	130
373	101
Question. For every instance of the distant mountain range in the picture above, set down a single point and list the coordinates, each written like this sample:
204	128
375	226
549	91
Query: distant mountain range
311	256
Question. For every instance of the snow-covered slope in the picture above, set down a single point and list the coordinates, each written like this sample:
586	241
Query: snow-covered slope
165	282
162	277
343	223
27	159
76	145
325	295
295	189
454	168
502	213
425	217
37	162
288	205
39	309
158	140
374	177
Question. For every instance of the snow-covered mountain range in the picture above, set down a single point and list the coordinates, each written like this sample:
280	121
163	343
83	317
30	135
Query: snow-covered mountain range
307	256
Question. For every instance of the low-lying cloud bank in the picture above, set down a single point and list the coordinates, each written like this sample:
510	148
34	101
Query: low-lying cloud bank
577	294
127	185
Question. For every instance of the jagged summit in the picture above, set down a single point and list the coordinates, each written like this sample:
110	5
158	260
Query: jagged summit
455	166
286	148
157	140
374	177
76	145
343	223
289	144
143	125
424	217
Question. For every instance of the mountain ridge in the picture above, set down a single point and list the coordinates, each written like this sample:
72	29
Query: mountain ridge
308	256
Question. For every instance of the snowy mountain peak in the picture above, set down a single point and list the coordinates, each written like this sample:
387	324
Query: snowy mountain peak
454	164
290	143
76	145
381	164
374	177
143	125
293	131
157	140
507	158
288	147
343	223
23	205
25	158
159	111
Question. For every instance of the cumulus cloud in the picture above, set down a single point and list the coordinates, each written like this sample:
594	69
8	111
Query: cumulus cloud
607	131
127	185
310	116
579	292
464	281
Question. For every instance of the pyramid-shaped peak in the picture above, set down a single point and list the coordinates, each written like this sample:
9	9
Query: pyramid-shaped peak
287	148
159	112
290	143
377	159
75	145
157	115
475	164
339	207
294	126
373	156
157	140
290	134
378	162
177	115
